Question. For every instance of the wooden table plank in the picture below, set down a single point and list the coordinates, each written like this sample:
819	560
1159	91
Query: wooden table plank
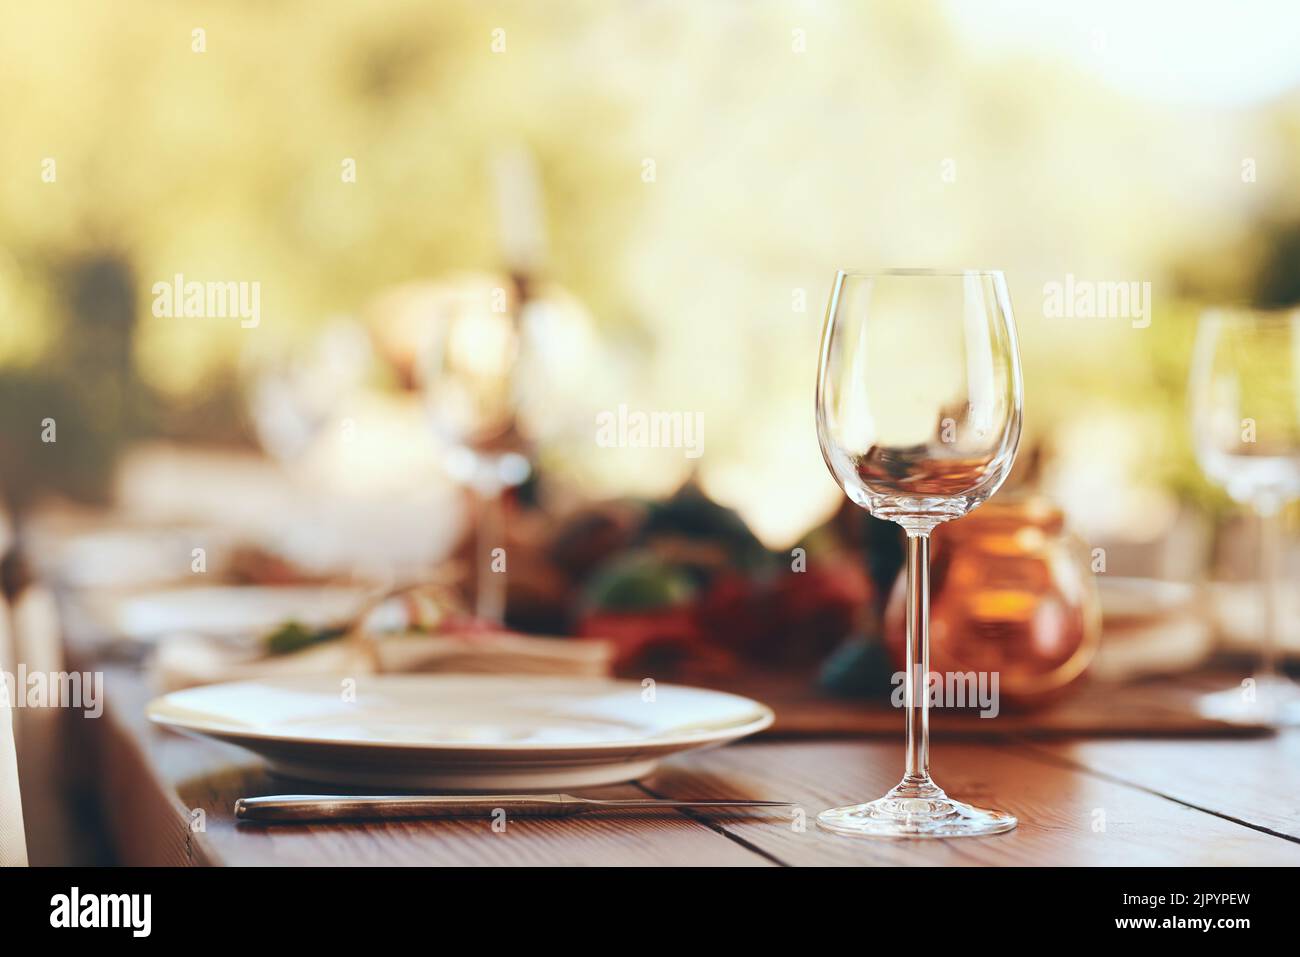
155	779
1257	782
1060	808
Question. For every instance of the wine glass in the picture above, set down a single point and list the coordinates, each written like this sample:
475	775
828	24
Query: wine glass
1244	396
468	373
296	390
918	415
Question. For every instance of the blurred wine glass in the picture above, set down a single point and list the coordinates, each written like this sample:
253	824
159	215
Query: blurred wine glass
1244	397
468	373
918	415
295	392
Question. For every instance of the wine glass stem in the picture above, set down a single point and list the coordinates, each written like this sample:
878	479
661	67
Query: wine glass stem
1270	544
917	699
489	578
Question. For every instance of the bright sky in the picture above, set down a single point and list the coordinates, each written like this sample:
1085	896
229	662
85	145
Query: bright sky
1195	52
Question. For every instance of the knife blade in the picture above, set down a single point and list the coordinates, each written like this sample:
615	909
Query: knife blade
294	808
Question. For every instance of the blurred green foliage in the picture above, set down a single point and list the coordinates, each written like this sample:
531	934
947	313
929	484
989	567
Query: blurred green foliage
704	175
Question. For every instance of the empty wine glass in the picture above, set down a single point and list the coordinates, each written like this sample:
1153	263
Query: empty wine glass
296	391
918	415
1244	396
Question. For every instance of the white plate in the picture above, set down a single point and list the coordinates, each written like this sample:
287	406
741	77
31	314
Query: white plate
127	556
1128	600
461	732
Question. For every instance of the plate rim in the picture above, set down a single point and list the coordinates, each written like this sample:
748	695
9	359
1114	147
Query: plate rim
764	719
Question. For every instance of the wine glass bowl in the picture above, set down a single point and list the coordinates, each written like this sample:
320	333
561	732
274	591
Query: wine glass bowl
468	376
918	392
296	390
1244	396
919	398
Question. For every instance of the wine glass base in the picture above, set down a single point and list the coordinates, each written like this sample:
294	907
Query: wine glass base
913	812
1275	701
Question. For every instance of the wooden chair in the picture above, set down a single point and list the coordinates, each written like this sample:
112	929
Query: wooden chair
13	838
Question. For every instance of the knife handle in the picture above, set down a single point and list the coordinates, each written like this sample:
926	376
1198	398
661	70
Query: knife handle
330	807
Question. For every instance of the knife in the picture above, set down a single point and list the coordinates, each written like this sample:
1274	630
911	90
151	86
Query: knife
290	808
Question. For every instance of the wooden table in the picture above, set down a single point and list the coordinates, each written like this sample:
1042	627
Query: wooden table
1184	801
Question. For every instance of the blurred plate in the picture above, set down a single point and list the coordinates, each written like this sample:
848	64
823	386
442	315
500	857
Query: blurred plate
461	732
121	555
1149	627
236	611
1128	600
1238	612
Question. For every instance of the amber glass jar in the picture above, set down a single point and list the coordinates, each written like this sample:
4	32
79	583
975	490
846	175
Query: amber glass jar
1011	591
